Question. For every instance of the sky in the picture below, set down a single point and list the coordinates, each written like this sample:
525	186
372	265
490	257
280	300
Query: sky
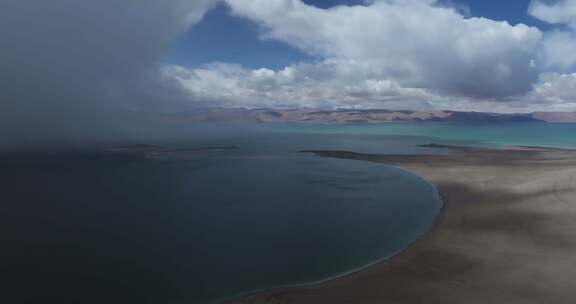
471	55
223	37
68	66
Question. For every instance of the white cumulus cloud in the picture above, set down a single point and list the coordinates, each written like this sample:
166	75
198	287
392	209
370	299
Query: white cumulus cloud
555	12
558	48
417	43
332	83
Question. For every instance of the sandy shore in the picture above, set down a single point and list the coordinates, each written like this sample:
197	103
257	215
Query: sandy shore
507	235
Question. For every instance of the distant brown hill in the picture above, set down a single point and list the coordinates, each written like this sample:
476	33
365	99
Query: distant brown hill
555	117
359	116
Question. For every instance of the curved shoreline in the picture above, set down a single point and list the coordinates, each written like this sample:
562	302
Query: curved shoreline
501	206
246	295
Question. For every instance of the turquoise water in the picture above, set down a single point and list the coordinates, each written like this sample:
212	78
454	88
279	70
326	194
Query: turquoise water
504	134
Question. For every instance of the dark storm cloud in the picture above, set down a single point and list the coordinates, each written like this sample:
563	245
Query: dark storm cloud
67	64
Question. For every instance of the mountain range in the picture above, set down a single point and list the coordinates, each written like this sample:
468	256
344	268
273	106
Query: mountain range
359	116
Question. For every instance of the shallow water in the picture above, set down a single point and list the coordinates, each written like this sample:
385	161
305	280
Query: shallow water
500	134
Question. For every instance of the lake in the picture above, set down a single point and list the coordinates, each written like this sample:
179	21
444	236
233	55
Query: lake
195	225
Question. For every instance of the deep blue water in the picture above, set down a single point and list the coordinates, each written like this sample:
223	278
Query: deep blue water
201	226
